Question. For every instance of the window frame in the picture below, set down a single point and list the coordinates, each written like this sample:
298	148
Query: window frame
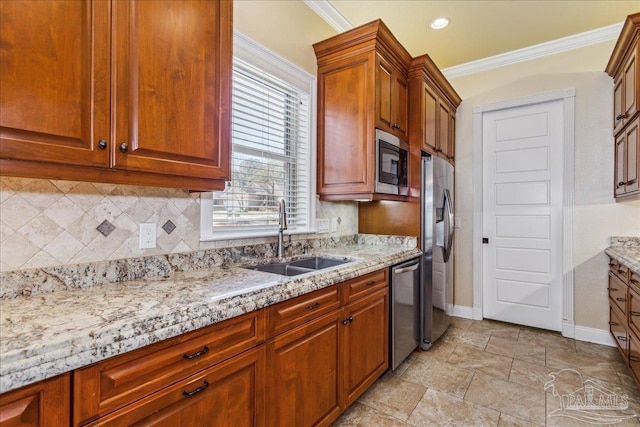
257	55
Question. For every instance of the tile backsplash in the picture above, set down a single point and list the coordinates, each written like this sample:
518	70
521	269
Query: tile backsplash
49	222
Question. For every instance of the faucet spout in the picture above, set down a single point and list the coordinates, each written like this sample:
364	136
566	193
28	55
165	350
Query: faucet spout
282	225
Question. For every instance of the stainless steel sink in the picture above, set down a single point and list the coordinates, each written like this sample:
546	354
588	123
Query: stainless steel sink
317	263
300	266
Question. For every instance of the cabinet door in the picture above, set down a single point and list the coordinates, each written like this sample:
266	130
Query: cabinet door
45	403
366	343
54	90
399	106
173	87
430	109
229	394
618	95
444	129
302	384
346	152
452	136
632	153
620	160
629	85
384	95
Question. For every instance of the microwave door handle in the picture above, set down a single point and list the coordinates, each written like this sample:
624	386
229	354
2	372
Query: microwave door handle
448	228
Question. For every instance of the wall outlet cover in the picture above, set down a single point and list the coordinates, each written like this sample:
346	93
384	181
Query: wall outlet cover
322	225
334	225
147	235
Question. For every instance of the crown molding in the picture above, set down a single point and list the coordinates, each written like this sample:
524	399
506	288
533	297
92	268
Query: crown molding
564	44
330	14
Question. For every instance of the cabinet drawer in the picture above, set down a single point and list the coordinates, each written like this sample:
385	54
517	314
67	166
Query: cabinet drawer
228	394
361	286
634	281
116	382
289	314
618	292
634	356
619	331
618	269
634	311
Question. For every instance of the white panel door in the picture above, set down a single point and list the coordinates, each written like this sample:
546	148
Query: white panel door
522	214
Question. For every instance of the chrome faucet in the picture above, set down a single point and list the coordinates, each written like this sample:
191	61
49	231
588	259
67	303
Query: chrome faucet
282	225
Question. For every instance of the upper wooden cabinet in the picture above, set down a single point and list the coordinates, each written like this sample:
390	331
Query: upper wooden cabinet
134	92
623	67
391	98
433	109
362	84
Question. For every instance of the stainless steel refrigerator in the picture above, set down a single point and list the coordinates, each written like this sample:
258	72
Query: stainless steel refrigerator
437	227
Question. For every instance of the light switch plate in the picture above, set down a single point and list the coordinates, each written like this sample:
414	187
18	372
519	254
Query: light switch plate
456	223
334	225
322	225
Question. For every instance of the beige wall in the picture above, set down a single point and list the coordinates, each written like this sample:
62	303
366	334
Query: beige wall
597	216
288	28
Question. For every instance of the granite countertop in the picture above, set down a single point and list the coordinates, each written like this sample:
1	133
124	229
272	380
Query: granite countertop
626	250
51	333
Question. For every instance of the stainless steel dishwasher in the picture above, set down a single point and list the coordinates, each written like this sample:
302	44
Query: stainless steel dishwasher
404	310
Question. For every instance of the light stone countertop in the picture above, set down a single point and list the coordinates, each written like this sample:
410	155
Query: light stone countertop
625	250
48	334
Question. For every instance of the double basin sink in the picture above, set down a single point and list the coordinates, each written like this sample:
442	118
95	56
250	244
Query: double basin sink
300	266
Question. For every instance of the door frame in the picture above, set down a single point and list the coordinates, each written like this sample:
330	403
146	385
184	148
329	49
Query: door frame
568	98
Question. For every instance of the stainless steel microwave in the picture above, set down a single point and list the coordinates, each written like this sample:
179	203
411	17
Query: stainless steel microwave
392	164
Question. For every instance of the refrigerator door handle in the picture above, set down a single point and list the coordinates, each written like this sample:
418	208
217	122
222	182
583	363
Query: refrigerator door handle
448	241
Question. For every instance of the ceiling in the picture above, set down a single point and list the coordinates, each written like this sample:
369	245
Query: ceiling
480	29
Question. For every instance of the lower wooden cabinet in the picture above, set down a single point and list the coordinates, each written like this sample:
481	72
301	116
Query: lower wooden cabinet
45	403
304	373
318	369
322	351
366	344
228	394
624	314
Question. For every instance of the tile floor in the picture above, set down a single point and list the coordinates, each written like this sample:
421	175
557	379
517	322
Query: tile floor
487	373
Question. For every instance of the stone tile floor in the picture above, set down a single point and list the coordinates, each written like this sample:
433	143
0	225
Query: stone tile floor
487	373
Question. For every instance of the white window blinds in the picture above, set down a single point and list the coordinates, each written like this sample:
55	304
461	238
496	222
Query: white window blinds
270	160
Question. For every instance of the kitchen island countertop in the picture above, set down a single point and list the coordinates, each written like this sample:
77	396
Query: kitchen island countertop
48	334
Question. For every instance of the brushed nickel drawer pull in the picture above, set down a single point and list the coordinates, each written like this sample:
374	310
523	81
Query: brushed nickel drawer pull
621	338
612	289
634	281
613	323
634	313
621	299
204	351
634	358
311	307
371	282
196	391
621	271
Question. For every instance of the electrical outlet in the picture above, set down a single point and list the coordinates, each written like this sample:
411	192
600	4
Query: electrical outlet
456	223
322	225
334	225
147	235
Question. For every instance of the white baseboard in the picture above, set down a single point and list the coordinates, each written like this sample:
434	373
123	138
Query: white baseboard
598	336
462	311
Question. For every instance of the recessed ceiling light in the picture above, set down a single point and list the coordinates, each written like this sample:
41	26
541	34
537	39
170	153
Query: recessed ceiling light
439	23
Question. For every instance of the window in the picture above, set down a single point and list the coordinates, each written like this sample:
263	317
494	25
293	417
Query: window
271	145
